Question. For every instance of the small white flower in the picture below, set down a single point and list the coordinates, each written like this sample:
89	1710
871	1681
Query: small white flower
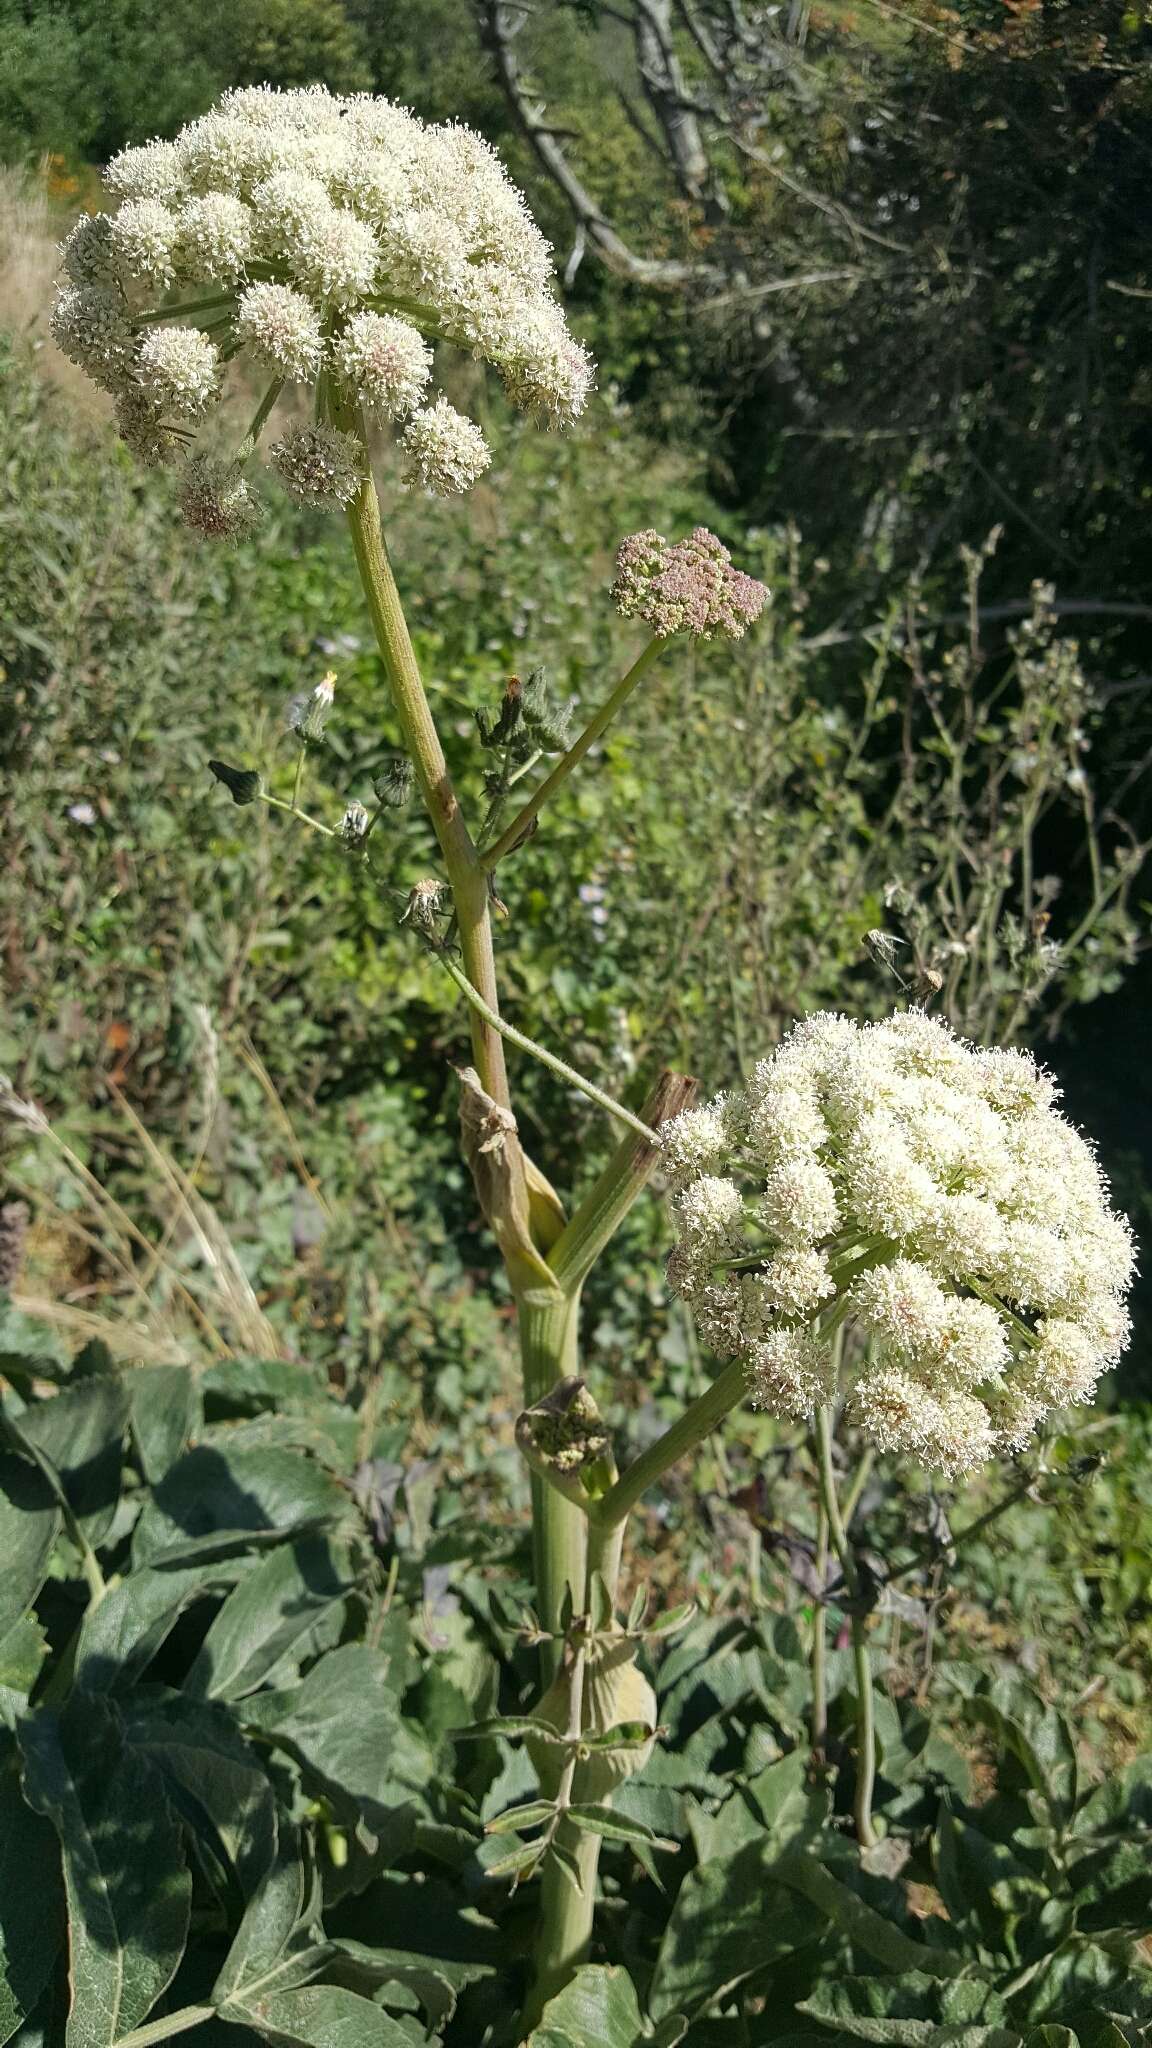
179	370
143	238
148	170
213	238
386	361
282	328
446	452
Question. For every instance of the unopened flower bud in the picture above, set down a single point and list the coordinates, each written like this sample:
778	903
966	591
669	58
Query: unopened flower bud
394	785
308	713
242	784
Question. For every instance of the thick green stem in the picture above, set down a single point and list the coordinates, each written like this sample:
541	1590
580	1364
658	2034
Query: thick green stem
615	1190
819	1722
468	881
549	1326
564	1930
865	1715
525	816
698	1421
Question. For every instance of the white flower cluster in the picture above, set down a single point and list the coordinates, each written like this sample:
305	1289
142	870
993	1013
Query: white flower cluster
329	237
892	1179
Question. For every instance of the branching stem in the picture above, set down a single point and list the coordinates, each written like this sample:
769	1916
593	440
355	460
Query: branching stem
527	813
540	1052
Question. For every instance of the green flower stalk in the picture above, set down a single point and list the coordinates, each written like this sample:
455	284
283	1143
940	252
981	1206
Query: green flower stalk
329	242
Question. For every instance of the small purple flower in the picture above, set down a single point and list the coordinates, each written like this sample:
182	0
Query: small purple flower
687	586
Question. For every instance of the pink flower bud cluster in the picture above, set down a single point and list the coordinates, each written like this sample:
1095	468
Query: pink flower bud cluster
686	586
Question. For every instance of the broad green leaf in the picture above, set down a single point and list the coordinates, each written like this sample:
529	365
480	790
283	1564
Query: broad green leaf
275	1609
29	1525
1100	2031
730	1922
1037	1736
273	1948
211	1496
362	1968
29	1350
80	1432
427	1925
254	1386
984	1886
322	2016
326	1431
787	1805
1122	1801
899	2012
214	1779
22	1654
616	1827
523	1856
165	1414
31	1898
1083	1975
126	1880
343	1724
598	2009
863	1926
120	1636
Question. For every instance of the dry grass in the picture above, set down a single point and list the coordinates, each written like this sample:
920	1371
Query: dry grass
36	209
168	1282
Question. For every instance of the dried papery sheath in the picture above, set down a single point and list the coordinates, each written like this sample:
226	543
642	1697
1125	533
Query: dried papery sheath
928	1194
334	239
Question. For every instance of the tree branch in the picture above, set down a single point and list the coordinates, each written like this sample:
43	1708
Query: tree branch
500	21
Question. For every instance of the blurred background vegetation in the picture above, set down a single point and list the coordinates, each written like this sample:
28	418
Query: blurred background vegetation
868	288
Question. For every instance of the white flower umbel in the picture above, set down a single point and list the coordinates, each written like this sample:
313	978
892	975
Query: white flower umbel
446	451
929	1194
333	239
385	361
282	328
179	370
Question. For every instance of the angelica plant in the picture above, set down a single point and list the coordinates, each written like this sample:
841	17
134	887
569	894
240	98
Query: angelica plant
892	1186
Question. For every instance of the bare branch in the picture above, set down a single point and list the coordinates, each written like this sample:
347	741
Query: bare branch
499	25
668	97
